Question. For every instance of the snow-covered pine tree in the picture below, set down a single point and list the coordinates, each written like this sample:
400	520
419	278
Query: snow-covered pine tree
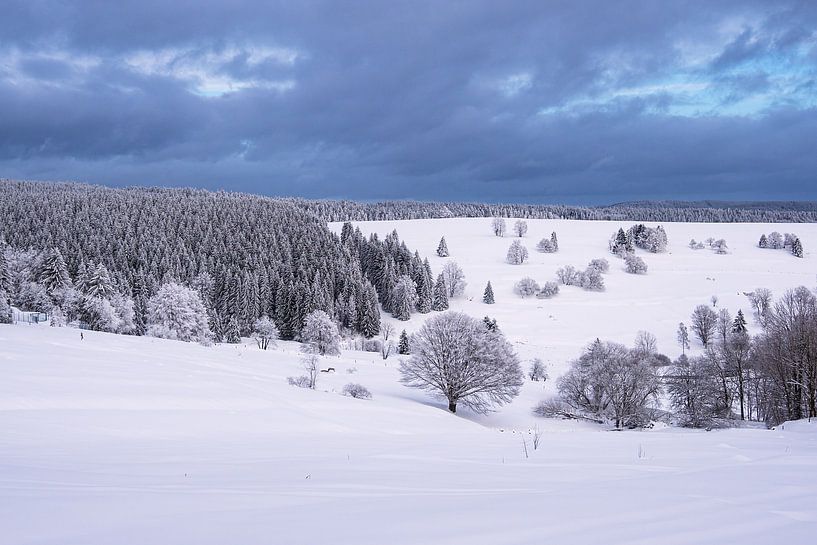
554	241
440	302
488	294
5	308
442	248
53	272
5	275
425	287
404	298
403	345
232	333
763	242
369	314
739	325
796	247
99	282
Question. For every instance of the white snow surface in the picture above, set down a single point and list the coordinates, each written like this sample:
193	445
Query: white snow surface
133	440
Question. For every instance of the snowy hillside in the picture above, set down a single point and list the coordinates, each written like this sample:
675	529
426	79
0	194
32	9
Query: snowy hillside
556	329
133	440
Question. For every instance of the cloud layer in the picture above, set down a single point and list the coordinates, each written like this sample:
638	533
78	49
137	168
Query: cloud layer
541	101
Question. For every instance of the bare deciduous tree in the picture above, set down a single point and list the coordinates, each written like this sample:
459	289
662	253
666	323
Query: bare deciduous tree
457	357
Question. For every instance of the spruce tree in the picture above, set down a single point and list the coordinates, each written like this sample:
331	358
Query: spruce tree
488	296
442	249
5	275
403	345
99	283
554	241
232	334
440	301
369	313
763	242
54	272
739	325
796	247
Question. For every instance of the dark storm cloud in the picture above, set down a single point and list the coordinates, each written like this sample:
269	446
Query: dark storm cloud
570	101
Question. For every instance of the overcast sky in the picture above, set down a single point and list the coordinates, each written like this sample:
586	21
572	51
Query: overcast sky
542	101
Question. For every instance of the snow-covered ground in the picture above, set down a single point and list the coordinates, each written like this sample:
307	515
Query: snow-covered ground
120	440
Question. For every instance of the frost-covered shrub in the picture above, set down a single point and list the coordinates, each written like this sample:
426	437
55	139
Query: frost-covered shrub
549	289
301	381
320	334
527	287
372	345
33	297
517	253
177	312
695	245
720	247
357	391
546	245
568	275
591	280
600	264
634	264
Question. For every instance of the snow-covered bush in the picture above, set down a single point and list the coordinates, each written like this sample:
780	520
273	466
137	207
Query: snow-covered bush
310	379
634	264
357	391
517	253
568	275
527	287
320	334
695	245
591	280
546	246
549	289
177	312
520	227
372	345
599	264
459	358
265	332
720	246
775	240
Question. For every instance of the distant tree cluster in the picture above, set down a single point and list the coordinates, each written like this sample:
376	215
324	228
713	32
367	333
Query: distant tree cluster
776	241
590	278
653	240
770	377
657	211
549	245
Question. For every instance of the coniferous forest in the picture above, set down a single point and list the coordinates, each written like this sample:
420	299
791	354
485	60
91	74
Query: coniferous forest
90	251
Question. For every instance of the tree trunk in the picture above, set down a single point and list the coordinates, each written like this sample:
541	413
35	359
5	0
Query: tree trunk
452	406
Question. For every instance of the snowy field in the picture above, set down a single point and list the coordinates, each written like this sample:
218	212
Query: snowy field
128	440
